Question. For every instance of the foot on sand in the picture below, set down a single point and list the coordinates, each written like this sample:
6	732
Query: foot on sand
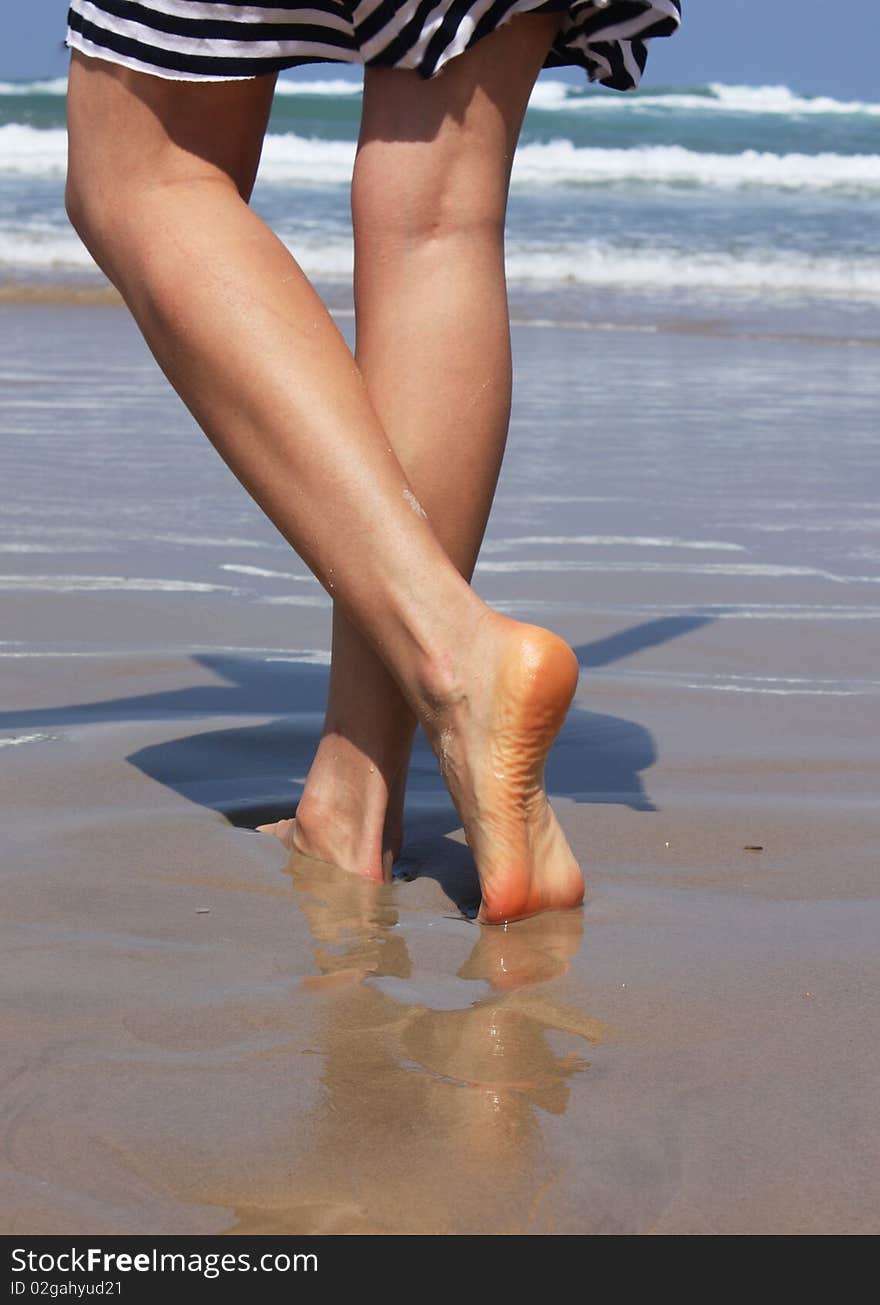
341	833
491	738
492	745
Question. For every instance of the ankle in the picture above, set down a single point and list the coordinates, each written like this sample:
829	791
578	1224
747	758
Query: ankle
344	769
361	808
446	674
338	832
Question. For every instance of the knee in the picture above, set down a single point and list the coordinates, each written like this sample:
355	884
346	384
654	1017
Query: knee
120	215
77	205
96	210
412	209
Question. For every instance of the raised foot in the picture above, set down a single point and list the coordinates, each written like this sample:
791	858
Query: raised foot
493	759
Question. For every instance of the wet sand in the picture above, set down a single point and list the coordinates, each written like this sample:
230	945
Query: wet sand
203	1038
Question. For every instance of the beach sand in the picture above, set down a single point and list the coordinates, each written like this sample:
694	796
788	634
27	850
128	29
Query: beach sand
203	1038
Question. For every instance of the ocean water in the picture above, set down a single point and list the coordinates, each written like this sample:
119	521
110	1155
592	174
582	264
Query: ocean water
721	204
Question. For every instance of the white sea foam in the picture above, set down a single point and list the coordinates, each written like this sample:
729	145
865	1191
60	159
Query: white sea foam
626	541
812	612
241	569
29	548
32	151
302	657
51	86
617	266
310	656
780	99
717	97
18	655
63	584
331	86
788	612
775	685
834	526
197	541
37	250
782	693
551	93
562	163
598	263
600	259
751	570
306	161
18	739
66	541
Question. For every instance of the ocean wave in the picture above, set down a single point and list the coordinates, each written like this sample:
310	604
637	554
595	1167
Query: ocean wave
32	151
284	86
301	160
617	267
552	94
319	86
306	161
780	99
39	250
561	163
611	265
716	97
297	159
49	86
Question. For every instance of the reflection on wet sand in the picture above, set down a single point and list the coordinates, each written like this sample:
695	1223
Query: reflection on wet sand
428	1119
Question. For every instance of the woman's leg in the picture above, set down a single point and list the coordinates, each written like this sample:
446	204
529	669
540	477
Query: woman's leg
433	345
250	348
156	189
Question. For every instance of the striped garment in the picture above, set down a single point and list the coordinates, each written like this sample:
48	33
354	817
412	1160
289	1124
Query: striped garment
215	40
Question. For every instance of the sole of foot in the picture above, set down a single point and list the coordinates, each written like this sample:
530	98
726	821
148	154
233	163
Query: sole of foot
494	767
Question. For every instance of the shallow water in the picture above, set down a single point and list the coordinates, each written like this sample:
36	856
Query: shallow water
207	1039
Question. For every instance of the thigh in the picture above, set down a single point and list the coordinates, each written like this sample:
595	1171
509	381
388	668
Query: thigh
457	129
475	103
128	127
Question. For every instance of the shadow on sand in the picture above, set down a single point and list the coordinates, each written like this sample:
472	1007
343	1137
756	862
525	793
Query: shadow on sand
253	773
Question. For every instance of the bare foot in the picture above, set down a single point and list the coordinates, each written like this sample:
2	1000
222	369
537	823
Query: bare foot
344	833
491	739
491	744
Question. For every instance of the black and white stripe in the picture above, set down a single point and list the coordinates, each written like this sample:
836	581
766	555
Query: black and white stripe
213	40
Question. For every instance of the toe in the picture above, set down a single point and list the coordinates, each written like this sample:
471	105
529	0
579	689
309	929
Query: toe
282	829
